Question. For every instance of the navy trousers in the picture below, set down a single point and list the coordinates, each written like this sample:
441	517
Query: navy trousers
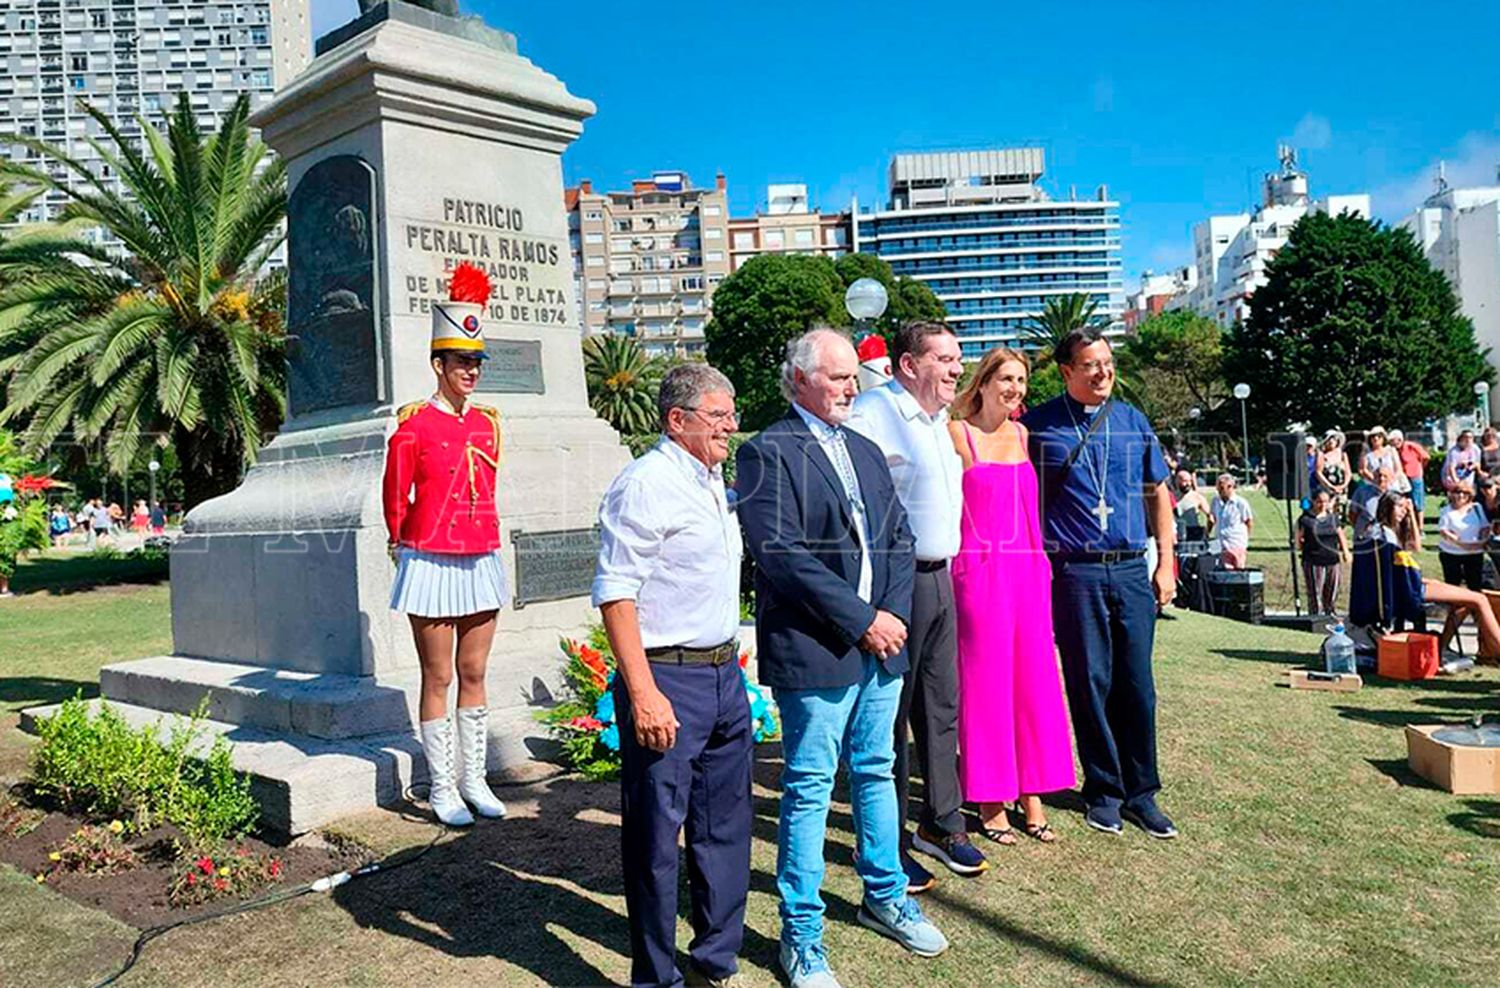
703	783
1104	615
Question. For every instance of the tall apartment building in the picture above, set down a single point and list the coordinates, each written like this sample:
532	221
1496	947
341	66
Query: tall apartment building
647	261
787	226
979	229
1459	231
129	57
1231	252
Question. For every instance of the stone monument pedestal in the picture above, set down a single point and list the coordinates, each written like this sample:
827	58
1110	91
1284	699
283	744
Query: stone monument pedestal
413	142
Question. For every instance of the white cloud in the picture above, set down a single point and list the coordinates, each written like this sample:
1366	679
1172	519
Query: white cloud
1473	162
1312	133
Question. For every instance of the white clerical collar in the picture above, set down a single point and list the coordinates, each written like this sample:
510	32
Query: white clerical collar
1087	409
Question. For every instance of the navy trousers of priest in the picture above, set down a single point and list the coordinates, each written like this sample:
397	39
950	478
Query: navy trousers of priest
701	783
1106	624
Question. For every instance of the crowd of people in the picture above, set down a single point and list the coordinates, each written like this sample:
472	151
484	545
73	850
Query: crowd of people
98	523
923	555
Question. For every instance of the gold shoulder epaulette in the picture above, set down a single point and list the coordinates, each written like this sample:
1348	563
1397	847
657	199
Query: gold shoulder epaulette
407	410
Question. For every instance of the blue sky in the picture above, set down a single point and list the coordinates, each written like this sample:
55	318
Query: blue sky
1177	108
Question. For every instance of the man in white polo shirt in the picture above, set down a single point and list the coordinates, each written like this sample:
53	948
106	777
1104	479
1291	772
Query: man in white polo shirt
907	418
1230	518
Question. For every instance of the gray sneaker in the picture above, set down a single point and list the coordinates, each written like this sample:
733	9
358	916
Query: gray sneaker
807	967
903	922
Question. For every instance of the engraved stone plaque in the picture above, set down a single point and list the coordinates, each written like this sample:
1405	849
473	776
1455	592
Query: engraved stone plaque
331	308
554	565
513	367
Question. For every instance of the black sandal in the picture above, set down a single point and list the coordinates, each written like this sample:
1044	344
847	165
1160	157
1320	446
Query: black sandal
1042	832
1004	836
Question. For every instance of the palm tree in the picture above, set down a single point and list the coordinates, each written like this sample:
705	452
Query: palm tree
175	337
622	383
1061	314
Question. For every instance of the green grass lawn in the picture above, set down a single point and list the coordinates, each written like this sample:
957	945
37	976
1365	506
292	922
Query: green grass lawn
1309	856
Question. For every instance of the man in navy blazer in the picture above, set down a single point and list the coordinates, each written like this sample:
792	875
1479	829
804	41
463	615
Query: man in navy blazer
834	575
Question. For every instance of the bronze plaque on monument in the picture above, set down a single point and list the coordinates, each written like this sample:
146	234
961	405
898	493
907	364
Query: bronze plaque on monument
554	565
333	359
514	367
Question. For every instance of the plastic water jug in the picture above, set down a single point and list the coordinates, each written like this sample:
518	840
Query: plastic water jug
1338	651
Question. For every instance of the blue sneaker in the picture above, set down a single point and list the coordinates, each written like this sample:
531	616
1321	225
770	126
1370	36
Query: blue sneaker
953	850
1150	819
807	967
903	922
1105	819
918	879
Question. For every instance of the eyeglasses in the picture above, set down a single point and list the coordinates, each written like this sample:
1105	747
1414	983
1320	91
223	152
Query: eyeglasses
717	417
1092	366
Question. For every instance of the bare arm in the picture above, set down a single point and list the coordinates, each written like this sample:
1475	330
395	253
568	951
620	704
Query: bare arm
1159	510
655	722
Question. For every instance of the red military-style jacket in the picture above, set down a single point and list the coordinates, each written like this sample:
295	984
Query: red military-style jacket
440	471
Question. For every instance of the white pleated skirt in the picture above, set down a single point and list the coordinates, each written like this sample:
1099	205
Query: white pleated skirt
446	585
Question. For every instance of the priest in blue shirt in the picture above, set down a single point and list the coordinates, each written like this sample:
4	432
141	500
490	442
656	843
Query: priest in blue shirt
1103	496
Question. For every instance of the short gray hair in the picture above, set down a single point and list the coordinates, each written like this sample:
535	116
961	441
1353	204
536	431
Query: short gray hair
1226	478
802	355
685	385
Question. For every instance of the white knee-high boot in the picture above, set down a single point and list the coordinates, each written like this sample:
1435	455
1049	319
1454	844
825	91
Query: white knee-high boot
437	745
473	737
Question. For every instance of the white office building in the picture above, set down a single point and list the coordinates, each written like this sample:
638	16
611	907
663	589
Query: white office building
1232	252
980	230
1459	231
129	57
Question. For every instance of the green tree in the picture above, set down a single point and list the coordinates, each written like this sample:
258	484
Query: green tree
1177	358
1061	314
175	336
757	309
23	520
622	383
1353	328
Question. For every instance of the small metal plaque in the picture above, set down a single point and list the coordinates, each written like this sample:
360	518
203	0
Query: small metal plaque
514	367
554	565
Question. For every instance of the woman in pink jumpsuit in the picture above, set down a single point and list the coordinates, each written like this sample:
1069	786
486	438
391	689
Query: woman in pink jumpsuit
1013	735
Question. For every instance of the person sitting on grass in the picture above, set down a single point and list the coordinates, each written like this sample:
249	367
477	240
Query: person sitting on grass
1388	583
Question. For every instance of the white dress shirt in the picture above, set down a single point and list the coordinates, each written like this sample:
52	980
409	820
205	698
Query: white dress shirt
829	438
668	541
926	468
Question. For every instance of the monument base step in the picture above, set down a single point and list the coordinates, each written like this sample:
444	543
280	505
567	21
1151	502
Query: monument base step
303	782
318	705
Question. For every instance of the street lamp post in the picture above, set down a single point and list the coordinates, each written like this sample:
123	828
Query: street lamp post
1242	391
1481	404
153	466
866	301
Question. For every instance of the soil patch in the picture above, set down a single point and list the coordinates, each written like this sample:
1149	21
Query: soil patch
138	896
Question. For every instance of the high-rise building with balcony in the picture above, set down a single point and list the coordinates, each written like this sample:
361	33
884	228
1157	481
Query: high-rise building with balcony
981	232
647	261
787	226
129	57
1232	252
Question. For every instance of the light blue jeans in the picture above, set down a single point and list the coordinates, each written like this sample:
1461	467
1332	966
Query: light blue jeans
819	727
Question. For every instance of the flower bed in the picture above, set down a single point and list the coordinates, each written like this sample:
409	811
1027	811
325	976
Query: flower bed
585	723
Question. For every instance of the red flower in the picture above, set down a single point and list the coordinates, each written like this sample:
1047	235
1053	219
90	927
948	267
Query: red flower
586	723
192	878
220	885
275	868
591	658
205	865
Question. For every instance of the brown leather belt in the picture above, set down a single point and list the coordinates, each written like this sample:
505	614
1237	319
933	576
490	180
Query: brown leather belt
676	655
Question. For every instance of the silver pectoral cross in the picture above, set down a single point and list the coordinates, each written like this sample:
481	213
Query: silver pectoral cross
1102	511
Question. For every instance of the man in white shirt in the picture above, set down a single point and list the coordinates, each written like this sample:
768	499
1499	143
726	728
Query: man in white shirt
907	418
668	586
1230	517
